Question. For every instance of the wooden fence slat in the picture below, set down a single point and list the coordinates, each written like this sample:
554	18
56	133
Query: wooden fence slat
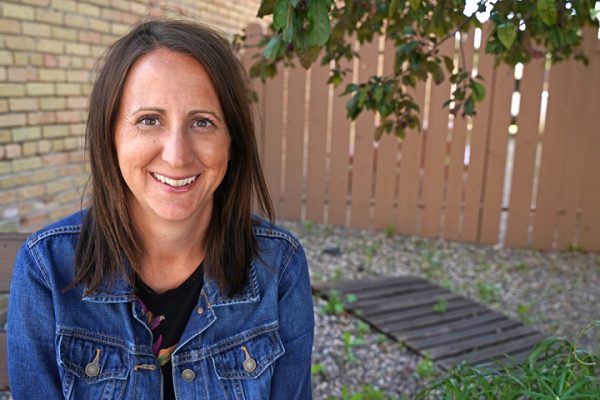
477	147
589	232
526	142
362	165
435	152
317	143
253	33
10	243
273	125
410	171
554	141
572	183
496	154
456	168
3	362
385	179
339	159
291	207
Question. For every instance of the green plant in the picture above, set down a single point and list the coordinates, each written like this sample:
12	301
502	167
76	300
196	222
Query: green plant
390	231
370	253
351	341
336	302
338	274
488	292
575	248
317	369
555	369
524	311
441	306
362	328
425	367
309	226
367	392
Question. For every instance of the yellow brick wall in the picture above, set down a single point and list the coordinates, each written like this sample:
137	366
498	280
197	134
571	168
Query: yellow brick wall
48	49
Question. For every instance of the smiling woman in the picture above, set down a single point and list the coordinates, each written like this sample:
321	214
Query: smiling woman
167	286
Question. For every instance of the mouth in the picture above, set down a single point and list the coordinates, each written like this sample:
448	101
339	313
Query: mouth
176	183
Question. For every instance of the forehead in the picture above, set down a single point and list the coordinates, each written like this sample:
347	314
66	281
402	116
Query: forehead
164	75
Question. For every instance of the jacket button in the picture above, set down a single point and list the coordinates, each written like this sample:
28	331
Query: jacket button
200	310
249	364
188	375
92	369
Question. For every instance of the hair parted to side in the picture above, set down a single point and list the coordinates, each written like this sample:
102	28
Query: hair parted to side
108	239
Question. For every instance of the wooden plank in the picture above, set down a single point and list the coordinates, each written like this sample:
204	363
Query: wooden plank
462	334
456	169
273	125
317	144
435	138
362	165
339	157
484	340
526	142
433	319
485	317
477	147
422	311
492	352
415	294
393	300
10	243
580	104
291	208
387	152
3	362
495	156
589	233
349	286
410	172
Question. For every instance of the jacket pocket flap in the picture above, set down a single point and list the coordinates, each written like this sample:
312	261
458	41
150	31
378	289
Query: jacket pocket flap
250	358
92	361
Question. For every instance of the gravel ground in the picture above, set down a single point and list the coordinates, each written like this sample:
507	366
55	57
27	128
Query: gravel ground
555	292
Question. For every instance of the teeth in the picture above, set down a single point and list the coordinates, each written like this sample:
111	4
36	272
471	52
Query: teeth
174	182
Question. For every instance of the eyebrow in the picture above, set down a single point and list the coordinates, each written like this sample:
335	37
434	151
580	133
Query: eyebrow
163	111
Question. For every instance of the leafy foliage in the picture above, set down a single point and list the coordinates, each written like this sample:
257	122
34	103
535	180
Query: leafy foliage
555	369
518	31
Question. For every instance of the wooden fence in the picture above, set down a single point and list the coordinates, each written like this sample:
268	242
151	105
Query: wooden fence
526	176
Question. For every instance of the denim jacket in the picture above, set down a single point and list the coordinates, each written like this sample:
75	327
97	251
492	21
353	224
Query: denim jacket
62	344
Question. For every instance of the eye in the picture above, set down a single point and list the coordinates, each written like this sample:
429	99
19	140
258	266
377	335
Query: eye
203	123
149	120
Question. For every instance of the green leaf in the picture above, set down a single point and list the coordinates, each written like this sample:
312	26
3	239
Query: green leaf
415	4
280	14
478	91
449	64
507	32
319	26
547	11
290	29
294	3
272	48
308	56
266	8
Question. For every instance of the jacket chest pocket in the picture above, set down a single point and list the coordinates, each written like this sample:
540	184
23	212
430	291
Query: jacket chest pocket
92	369
244	370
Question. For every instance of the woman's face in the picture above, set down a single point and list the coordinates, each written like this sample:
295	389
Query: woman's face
171	139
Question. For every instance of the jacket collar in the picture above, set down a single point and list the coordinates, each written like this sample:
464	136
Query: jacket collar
121	291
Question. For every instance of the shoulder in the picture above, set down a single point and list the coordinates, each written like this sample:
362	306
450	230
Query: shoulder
267	231
68	227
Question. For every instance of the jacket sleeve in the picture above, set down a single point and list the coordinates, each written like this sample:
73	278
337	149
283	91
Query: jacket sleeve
32	367
291	376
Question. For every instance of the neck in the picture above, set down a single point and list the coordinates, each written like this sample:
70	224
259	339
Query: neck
172	250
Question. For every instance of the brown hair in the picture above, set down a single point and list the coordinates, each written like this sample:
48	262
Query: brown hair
108	240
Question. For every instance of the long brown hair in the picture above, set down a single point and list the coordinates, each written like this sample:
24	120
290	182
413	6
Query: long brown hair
108	240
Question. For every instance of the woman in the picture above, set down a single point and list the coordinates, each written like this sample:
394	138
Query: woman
167	286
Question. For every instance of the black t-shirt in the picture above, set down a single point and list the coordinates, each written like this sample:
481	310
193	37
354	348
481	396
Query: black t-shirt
167	315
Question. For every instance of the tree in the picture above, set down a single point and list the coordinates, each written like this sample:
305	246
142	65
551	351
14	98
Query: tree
519	31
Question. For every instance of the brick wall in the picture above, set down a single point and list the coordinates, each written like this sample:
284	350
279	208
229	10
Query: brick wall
48	49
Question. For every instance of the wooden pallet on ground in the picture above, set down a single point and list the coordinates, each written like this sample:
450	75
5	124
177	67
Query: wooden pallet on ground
403	308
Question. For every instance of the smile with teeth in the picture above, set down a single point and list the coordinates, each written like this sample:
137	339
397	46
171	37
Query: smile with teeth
175	182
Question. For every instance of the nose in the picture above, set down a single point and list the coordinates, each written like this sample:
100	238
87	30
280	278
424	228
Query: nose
177	148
